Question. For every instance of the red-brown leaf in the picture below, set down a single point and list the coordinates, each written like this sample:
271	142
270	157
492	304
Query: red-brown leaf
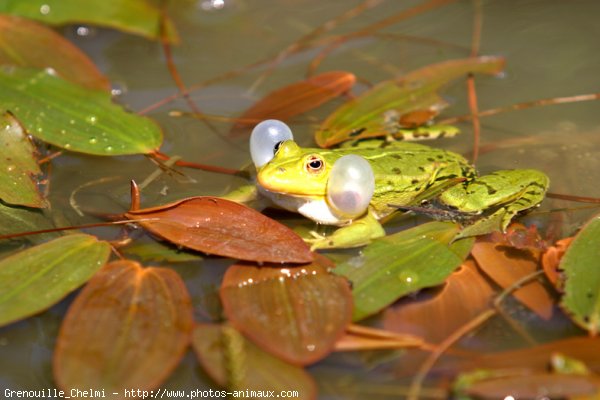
359	337
506	265
296	313
582	348
128	328
464	295
296	99
225	228
551	260
417	118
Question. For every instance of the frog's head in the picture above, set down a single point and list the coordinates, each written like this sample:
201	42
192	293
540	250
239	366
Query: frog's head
339	184
296	171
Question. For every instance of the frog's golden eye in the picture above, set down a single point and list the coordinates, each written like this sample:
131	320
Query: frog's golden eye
314	164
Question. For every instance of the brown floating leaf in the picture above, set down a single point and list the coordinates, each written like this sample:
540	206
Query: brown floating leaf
360	337
236	363
225	228
551	260
465	294
128	328
416	118
535	386
296	98
296	313
506	265
582	348
28	44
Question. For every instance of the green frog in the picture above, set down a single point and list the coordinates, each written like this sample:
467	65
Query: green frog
399	175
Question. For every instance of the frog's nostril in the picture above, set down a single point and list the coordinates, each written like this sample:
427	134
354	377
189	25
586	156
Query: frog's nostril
281	169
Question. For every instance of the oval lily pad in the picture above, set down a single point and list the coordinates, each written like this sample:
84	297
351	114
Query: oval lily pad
435	316
140	17
581	271
237	364
296	98
296	313
402	263
34	279
18	166
505	265
72	117
28	44
225	228
378	111
128	329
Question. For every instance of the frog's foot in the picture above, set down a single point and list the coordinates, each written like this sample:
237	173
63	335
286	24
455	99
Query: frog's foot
426	132
501	195
359	233
243	194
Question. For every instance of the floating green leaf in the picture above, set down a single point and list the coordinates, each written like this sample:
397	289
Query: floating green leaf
74	118
159	251
581	271
19	219
35	279
377	112
399	264
25	43
140	17
18	166
237	364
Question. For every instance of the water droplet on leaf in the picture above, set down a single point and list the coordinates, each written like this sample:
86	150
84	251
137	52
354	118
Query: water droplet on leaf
408	277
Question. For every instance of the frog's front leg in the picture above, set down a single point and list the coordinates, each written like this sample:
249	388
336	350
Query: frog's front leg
502	193
243	194
360	232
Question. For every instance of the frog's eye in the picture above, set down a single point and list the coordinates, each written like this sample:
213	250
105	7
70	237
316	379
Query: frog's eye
277	146
351	185
314	164
265	140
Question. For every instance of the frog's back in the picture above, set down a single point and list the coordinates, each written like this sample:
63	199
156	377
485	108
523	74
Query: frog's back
405	173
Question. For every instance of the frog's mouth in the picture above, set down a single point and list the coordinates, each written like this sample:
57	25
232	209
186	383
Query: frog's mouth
289	189
274	191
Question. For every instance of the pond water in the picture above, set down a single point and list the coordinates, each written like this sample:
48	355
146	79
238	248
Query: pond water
551	50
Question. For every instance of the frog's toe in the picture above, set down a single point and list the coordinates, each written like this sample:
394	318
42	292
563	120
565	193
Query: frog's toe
322	243
315	236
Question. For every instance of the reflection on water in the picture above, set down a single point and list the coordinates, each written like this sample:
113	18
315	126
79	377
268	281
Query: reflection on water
551	50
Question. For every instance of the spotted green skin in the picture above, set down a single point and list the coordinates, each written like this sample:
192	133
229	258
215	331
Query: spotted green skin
407	175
